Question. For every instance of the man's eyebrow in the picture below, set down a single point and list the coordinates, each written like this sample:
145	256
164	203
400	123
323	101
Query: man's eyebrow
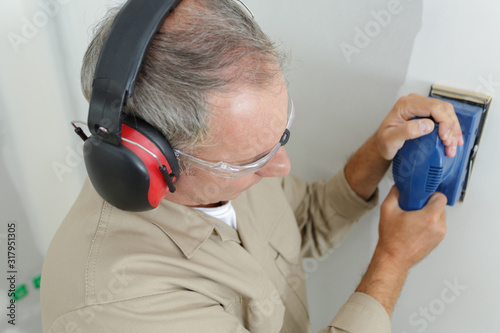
259	156
253	159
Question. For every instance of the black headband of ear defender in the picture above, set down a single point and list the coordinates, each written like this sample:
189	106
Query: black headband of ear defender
129	163
120	61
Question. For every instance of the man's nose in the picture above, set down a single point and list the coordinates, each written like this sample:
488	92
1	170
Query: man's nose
278	166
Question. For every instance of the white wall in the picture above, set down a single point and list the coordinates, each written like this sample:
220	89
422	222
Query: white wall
340	104
339	100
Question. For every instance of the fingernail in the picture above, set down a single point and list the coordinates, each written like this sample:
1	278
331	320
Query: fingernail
453	150
425	126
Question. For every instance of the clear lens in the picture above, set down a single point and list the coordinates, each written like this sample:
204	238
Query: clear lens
226	170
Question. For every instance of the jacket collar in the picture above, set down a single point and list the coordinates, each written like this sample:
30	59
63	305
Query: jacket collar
188	228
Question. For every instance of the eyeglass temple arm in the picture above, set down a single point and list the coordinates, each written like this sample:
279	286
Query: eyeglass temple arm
246	7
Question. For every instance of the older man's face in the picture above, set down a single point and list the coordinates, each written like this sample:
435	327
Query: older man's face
247	124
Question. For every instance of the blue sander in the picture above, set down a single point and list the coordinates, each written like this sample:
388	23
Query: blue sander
421	166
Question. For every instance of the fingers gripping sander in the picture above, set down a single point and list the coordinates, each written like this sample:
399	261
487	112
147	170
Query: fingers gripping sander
421	166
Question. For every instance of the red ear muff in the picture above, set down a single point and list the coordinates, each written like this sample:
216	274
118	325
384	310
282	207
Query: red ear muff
130	175
154	144
153	159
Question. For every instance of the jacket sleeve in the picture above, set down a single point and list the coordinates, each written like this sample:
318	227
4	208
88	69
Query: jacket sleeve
325	211
360	314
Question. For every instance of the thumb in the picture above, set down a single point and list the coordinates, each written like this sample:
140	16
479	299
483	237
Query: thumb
394	137
413	129
436	203
408	130
391	202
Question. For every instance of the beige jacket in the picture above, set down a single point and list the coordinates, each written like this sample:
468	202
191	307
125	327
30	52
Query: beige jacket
175	269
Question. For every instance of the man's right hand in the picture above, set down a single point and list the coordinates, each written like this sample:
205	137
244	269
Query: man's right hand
408	237
405	238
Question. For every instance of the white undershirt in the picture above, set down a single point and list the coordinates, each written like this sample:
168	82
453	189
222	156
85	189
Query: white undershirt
225	213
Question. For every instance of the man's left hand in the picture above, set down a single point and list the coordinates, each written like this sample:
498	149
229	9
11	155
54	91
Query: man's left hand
400	126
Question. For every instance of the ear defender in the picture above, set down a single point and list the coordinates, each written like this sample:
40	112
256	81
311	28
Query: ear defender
136	174
130	164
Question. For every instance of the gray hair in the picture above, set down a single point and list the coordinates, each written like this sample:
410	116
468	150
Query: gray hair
212	45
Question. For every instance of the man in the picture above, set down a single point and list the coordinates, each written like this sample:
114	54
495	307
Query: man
223	253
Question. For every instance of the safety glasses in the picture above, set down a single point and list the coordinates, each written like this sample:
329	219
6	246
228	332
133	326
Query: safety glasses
227	170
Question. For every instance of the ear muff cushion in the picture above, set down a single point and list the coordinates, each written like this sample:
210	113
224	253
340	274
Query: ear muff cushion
157	138
118	175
